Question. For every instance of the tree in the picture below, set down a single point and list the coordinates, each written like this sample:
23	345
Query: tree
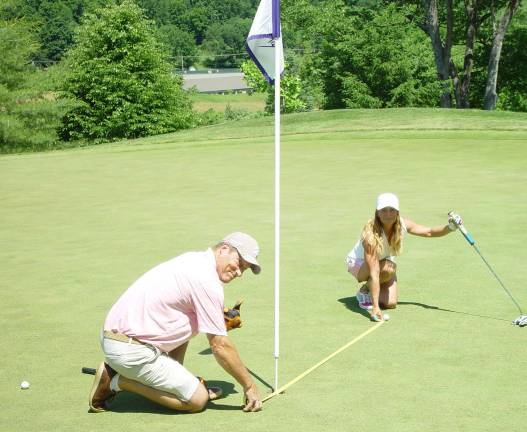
442	49
180	43
197	21
462	88
290	89
56	30
512	82
29	113
120	77
452	25
226	41
371	59
495	53
17	45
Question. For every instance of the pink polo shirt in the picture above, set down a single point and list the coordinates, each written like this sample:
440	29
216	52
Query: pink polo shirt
171	303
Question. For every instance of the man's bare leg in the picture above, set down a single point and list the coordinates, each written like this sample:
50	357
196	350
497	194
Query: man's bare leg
196	403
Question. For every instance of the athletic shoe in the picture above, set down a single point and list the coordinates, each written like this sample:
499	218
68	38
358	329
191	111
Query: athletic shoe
214	392
364	299
100	392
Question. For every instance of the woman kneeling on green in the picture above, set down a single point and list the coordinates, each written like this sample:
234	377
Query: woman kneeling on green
372	260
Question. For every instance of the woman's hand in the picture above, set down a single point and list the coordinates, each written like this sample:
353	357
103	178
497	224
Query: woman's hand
376	314
454	220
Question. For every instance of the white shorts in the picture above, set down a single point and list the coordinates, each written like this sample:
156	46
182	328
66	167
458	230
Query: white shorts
354	265
151	367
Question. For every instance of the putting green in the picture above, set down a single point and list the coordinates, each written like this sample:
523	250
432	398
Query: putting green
78	226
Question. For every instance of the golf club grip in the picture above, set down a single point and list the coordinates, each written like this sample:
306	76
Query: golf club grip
88	371
463	230
467	235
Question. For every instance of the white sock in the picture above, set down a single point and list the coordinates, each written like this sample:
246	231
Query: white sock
114	384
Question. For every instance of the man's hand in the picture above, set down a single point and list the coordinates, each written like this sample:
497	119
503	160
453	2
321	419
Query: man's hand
253	402
228	358
232	316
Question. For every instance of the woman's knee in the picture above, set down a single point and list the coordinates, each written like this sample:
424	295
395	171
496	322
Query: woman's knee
390	305
388	270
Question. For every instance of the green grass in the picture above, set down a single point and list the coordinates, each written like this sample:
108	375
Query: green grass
218	102
78	226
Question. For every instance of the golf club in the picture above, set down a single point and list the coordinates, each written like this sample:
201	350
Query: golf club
521	321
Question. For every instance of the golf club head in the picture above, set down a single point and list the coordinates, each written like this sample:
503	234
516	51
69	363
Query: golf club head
521	321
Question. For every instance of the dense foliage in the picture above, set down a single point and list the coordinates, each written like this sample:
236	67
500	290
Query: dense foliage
121	80
340	54
372	60
512	79
290	89
29	114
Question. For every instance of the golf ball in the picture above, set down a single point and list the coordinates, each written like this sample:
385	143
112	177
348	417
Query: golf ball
386	317
24	385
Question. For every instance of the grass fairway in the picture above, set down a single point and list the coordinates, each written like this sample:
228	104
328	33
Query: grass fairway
78	226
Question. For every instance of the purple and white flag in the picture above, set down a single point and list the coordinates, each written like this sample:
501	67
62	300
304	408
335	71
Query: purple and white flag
264	37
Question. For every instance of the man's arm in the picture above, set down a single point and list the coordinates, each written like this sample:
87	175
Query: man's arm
228	358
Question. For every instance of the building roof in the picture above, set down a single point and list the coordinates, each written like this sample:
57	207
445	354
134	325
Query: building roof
215	82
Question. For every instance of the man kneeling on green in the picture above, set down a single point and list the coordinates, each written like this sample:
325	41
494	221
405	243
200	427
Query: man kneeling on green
146	333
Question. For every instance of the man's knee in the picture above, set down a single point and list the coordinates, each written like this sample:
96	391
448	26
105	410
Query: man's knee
199	399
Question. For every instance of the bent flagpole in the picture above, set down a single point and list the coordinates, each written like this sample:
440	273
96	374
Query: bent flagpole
264	45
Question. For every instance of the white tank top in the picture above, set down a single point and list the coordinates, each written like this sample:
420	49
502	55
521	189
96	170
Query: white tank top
358	250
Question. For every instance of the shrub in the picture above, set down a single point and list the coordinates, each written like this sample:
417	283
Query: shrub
120	77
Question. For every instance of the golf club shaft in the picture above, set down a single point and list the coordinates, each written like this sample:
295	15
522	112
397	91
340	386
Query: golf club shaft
472	242
497	278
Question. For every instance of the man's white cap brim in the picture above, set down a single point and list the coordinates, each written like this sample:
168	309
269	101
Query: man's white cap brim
247	247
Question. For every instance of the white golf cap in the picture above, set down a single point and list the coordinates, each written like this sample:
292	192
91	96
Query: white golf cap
387	200
247	247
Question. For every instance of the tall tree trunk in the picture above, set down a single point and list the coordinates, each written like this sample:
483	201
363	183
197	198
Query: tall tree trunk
464	93
441	50
495	53
456	83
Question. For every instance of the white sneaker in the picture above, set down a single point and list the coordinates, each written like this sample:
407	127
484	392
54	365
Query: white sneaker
364	299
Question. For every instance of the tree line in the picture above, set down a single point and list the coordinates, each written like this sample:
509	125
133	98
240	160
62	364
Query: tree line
97	70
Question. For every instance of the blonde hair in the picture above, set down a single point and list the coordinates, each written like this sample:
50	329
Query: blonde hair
372	235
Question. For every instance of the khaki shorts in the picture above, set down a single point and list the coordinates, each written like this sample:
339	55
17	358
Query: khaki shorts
149	366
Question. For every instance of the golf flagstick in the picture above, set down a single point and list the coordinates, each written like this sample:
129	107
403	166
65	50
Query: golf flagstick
277	197
522	319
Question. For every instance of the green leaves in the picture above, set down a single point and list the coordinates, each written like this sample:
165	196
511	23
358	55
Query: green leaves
290	88
373	59
121	78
